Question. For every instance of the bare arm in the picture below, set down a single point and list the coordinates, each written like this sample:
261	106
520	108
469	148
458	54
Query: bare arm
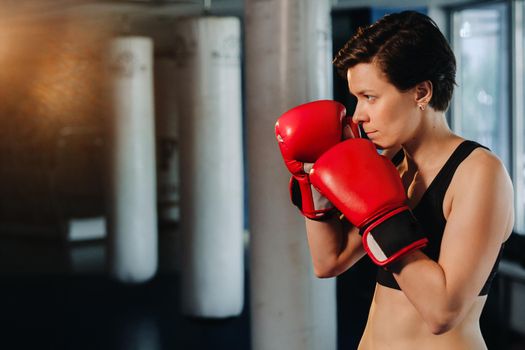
480	219
335	245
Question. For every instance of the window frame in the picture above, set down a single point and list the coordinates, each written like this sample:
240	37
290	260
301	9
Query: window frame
515	31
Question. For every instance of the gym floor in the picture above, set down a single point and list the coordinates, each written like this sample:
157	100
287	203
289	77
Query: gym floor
43	305
92	312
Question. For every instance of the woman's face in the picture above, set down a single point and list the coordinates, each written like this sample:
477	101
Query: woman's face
389	117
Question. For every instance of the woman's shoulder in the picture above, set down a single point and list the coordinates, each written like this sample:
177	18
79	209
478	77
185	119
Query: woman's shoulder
482	187
482	170
481	162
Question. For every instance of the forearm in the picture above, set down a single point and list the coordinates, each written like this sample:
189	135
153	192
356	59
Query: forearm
334	245
424	283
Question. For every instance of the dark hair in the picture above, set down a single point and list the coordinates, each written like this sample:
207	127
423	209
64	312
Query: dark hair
410	49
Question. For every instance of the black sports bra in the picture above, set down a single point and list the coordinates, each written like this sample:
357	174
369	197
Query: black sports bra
429	212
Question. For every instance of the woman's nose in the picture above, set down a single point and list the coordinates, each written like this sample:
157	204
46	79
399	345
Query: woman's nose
358	117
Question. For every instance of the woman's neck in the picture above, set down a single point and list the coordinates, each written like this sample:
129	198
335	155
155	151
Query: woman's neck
430	142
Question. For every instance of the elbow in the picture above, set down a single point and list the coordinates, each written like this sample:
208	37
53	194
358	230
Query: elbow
443	322
326	271
438	328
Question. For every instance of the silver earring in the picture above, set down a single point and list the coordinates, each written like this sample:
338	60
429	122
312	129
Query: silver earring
421	106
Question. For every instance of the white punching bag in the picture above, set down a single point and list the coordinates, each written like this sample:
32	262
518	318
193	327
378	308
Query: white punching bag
132	216
167	126
209	96
288	62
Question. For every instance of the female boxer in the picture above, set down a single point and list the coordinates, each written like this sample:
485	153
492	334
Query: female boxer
438	255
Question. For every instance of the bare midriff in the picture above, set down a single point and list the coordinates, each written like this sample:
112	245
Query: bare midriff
394	323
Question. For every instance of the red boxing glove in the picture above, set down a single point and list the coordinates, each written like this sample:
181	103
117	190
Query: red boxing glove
304	133
367	189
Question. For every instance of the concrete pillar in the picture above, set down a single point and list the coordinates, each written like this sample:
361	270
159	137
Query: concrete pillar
288	62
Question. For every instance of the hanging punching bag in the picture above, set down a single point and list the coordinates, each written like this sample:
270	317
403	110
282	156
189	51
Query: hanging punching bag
209	97
132	215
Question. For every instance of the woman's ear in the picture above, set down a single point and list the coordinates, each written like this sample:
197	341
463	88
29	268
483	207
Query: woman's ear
423	93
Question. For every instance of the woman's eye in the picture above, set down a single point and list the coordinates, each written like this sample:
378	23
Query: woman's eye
369	98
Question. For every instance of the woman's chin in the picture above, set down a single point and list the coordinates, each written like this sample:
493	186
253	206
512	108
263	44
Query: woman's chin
379	145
